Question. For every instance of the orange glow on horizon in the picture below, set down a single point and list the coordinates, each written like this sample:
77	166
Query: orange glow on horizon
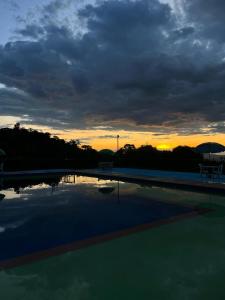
143	138
106	139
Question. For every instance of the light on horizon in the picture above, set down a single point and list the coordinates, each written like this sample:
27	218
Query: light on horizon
164	147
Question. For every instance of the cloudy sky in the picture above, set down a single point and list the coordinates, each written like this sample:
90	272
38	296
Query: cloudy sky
151	70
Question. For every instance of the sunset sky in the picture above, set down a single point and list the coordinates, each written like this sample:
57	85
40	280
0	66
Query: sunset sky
151	71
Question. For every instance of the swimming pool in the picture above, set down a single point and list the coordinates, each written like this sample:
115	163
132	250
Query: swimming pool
149	233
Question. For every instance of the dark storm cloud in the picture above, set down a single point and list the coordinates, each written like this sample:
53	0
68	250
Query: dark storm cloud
31	30
208	16
183	32
132	66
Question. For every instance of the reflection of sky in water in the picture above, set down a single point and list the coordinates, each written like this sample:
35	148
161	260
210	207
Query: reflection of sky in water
55	190
72	276
10	194
37	215
21	204
83	180
34	199
68	209
43	189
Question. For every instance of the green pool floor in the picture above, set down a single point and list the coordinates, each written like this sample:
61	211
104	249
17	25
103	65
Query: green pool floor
182	260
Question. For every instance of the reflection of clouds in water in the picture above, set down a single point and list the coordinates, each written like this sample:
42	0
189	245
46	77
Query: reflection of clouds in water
13	225
83	180
2	229
38	287
27	193
38	190
24	193
36	187
44	194
10	194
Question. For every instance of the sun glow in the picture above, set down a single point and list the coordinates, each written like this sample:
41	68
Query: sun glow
163	147
102	138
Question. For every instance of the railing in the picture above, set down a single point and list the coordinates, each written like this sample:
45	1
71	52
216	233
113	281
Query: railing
211	171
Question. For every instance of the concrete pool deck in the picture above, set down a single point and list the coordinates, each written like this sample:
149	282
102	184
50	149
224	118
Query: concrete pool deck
186	180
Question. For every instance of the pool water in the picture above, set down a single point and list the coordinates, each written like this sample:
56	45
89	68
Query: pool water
78	237
42	217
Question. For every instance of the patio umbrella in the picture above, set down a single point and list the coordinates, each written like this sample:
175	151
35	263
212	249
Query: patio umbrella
210	148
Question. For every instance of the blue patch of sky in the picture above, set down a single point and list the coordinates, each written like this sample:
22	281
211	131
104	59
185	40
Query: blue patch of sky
14	14
11	11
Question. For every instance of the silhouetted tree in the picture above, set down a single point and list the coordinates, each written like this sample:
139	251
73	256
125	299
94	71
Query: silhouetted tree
106	155
185	152
17	126
29	148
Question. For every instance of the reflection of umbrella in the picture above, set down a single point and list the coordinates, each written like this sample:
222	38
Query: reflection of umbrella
106	189
2	196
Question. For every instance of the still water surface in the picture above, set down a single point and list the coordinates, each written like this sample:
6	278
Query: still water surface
39	214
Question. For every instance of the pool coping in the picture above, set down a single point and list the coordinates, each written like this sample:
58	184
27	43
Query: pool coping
55	251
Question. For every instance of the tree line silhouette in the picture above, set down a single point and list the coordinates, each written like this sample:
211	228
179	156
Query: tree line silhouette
32	149
182	158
